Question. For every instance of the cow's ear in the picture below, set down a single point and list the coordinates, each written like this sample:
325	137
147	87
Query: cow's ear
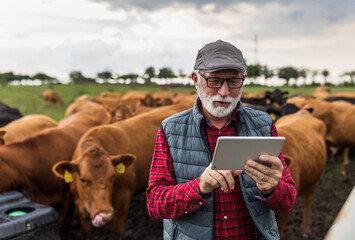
285	94
2	135
310	110
288	160
65	169
121	162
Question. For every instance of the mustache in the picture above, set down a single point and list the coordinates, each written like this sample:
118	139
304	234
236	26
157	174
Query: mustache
221	99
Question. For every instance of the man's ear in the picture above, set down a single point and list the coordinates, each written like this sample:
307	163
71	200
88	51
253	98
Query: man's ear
194	78
122	162
62	168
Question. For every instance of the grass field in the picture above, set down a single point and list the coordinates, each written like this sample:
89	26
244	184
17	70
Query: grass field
28	99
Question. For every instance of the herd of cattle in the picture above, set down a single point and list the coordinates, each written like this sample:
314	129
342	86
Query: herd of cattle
98	156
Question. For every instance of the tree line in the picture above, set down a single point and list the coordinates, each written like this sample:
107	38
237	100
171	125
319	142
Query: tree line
254	71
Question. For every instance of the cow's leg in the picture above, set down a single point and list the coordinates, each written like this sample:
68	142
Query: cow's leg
121	212
281	219
344	160
86	228
307	200
67	216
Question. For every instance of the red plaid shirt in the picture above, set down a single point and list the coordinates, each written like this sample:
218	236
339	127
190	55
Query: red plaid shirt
167	199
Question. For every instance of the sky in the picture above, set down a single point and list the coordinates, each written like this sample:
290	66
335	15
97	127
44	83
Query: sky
125	36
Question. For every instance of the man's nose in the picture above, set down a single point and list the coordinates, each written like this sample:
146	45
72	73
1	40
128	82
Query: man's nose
224	90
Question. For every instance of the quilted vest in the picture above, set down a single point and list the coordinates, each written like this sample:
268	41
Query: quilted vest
191	155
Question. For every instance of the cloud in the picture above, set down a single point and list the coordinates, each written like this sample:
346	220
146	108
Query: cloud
58	36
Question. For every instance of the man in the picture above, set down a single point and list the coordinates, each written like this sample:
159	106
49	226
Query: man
197	202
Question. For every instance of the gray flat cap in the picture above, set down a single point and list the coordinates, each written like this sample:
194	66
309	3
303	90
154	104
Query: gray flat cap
219	55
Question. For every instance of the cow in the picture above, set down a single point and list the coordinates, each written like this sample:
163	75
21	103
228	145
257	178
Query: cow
51	97
340	122
111	164
305	156
321	92
275	98
8	114
25	166
340	98
121	112
275	112
344	94
24	127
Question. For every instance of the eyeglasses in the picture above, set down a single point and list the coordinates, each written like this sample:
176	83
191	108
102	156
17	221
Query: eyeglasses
216	82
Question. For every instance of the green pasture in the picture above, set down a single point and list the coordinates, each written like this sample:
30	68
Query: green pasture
28	99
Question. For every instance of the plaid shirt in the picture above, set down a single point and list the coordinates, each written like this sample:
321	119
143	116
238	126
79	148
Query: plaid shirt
167	199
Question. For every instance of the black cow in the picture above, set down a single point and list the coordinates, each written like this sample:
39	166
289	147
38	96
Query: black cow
346	99
275	98
8	114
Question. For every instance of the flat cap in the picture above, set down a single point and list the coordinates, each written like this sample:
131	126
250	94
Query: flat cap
219	55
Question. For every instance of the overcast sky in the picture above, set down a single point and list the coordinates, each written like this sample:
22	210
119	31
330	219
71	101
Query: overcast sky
123	36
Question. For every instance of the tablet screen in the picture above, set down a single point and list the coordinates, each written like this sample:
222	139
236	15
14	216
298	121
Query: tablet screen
232	152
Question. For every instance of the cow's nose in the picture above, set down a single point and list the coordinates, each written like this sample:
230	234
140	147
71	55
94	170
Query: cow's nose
107	215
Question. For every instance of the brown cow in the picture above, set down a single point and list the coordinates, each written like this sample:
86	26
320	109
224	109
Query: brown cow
321	92
51	97
115	156
25	127
340	121
305	155
26	166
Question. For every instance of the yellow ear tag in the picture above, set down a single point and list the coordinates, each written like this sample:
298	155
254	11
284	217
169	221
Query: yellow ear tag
68	177
268	101
120	168
285	95
273	116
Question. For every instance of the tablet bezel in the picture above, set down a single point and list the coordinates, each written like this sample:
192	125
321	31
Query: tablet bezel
231	152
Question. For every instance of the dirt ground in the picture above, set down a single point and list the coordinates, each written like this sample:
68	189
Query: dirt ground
332	191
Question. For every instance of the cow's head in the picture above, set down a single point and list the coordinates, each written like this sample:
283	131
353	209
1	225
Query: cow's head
91	177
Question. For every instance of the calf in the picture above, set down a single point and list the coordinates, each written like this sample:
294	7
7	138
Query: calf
305	155
51	97
111	164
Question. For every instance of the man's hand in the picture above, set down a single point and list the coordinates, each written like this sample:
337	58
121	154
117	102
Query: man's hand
266	173
211	179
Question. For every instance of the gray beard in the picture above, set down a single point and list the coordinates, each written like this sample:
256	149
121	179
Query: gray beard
218	112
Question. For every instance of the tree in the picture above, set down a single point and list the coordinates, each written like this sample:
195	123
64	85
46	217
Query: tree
325	74
105	75
131	76
254	71
149	73
303	74
351	75
287	73
181	73
77	77
314	74
266	72
166	72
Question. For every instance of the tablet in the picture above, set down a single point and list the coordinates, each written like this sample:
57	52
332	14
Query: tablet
231	153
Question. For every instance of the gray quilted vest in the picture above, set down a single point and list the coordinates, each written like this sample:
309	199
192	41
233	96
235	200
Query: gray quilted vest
191	155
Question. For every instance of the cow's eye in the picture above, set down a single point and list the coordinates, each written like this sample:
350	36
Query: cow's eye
82	180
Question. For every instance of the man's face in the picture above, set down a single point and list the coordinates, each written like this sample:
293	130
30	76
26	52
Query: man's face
218	102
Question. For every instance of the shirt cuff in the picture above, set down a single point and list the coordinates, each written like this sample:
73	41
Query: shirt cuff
193	194
272	198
